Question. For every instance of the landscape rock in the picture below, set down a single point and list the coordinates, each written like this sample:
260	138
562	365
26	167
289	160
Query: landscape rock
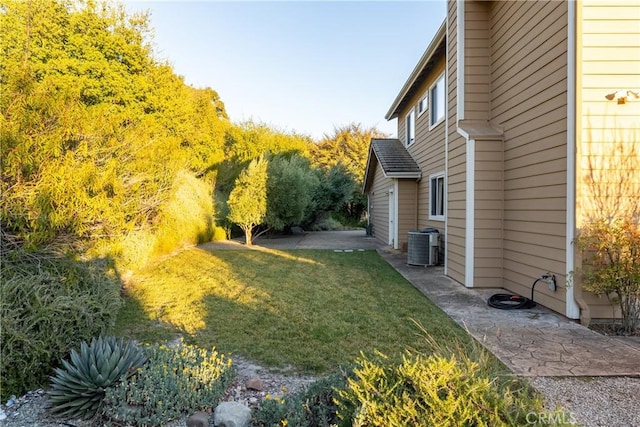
254	383
231	414
198	419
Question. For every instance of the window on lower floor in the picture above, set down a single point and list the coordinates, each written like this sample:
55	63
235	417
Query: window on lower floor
436	196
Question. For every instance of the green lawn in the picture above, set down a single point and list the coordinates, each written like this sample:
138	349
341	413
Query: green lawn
310	309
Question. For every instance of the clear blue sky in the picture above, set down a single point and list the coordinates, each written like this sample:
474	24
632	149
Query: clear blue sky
297	66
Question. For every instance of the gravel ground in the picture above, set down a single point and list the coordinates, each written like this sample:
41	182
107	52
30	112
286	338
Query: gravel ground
30	410
590	402
593	402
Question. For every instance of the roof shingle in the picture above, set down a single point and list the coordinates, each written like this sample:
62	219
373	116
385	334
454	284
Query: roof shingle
394	157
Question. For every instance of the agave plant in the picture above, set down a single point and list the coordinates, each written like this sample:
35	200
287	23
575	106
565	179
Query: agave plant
78	389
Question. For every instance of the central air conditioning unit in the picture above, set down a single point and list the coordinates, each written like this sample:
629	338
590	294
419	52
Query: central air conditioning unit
423	247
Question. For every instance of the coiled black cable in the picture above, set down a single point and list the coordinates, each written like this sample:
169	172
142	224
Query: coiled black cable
512	302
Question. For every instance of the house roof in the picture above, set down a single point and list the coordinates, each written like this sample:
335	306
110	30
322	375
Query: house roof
436	48
394	159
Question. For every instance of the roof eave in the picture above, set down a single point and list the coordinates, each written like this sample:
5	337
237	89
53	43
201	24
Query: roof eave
366	170
404	175
428	54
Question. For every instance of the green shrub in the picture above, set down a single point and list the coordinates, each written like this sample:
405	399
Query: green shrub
174	381
612	266
313	406
78	389
219	233
430	390
49	305
326	223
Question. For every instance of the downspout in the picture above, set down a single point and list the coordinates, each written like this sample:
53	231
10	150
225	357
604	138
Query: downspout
574	304
470	160
417	199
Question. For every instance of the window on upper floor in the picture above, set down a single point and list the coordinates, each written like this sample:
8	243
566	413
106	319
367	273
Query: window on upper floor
436	196
410	128
423	104
437	97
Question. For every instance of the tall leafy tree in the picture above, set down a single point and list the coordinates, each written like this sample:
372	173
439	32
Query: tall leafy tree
248	199
347	145
335	188
93	130
248	140
290	189
347	148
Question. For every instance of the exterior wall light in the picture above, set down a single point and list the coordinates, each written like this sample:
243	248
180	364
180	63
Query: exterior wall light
623	95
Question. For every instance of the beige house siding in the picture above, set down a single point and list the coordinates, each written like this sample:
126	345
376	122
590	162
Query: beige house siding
489	207
609	132
379	204
477	61
608	136
428	151
529	90
516	84
456	168
407	210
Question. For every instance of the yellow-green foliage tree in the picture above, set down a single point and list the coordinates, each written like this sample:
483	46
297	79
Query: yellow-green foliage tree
248	199
94	130
103	149
347	145
347	148
248	140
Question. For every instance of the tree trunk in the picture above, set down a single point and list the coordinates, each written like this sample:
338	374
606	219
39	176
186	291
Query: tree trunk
248	238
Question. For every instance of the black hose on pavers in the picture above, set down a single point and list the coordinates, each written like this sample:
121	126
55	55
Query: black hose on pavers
512	302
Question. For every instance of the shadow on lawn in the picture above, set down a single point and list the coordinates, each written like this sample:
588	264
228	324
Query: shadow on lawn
310	309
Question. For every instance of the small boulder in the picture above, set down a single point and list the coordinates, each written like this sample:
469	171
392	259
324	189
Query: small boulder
231	414
198	419
254	383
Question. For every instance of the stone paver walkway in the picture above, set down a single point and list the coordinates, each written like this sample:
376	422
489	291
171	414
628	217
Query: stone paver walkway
534	342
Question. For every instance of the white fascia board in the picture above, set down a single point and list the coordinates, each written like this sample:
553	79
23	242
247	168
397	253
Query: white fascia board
366	169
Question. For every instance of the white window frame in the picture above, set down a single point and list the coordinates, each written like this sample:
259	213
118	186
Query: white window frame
423	104
434	104
437	194
410	129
